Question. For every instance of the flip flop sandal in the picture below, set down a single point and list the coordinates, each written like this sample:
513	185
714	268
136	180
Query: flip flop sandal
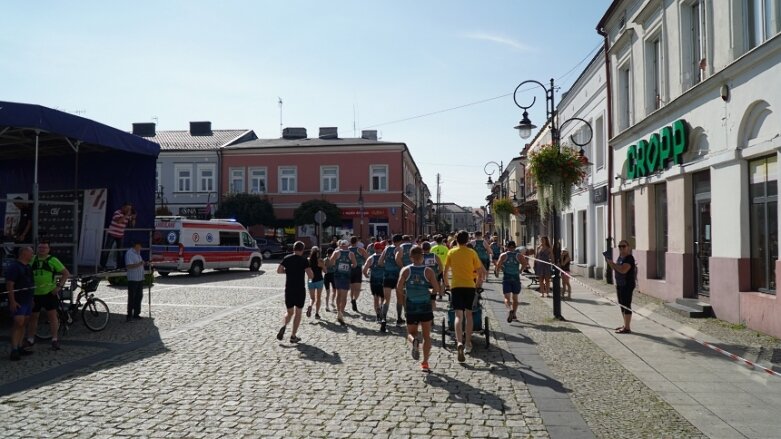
623	331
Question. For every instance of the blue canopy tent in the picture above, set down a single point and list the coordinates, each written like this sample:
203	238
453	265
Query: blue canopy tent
42	149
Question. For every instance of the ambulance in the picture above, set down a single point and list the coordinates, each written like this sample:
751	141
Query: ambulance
181	244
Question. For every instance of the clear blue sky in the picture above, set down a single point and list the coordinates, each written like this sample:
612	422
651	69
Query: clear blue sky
228	62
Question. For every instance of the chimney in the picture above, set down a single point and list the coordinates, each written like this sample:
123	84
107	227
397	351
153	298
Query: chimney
144	129
201	128
294	133
369	134
328	133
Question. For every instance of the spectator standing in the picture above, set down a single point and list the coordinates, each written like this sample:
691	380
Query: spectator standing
25	224
115	235
135	281
624	268
20	285
46	268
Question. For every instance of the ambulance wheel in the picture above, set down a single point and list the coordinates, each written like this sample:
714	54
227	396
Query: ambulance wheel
164	273
267	254
255	264
196	269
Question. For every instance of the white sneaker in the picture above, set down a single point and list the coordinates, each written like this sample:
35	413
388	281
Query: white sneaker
468	349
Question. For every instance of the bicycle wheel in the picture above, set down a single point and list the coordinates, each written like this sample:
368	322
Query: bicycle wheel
44	331
95	314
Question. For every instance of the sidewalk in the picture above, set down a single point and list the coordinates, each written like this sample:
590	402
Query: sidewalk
720	397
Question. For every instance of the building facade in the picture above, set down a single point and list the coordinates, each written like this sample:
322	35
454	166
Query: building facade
453	217
187	174
584	223
695	150
376	184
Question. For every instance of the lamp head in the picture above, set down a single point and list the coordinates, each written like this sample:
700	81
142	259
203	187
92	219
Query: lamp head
525	126
490	183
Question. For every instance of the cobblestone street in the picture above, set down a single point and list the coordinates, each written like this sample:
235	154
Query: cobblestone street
208	365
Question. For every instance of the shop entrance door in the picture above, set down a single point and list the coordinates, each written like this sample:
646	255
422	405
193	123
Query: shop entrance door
379	230
702	233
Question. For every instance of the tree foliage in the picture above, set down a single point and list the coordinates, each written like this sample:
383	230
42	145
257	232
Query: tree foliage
248	209
305	213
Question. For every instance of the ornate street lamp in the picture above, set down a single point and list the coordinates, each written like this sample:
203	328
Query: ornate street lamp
525	127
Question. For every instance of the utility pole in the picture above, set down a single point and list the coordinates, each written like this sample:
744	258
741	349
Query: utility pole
439	201
280	116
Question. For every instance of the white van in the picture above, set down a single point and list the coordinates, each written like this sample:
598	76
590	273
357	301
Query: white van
181	244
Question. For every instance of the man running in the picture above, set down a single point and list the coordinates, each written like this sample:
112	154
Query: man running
496	251
414	282
464	264
483	251
294	266
402	260
390	280
356	275
344	260
328	281
431	261
375	280
440	249
511	262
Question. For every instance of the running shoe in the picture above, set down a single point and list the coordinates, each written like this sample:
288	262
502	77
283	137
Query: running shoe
355	306
383	326
400	321
15	356
281	334
341	321
317	316
468	349
461	357
424	367
415	349
24	352
55	345
294	339
515	316
509	316
309	311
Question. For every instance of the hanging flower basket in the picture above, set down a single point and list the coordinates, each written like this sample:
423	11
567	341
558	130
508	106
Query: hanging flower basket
555	171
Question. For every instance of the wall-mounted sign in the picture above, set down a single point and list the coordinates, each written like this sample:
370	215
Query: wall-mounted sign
367	212
599	195
655	154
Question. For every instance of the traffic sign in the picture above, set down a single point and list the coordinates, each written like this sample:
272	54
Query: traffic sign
320	217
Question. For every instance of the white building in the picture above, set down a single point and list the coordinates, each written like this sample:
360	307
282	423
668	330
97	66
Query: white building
697	130
584	224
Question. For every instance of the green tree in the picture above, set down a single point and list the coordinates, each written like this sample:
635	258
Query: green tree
247	209
305	213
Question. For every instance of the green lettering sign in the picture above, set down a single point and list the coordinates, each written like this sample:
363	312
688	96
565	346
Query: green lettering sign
655	154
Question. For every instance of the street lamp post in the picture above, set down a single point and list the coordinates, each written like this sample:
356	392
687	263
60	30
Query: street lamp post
525	127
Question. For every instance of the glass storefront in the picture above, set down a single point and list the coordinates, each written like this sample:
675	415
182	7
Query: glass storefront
660	211
763	195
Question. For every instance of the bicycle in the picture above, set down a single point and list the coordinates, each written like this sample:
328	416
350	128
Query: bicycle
94	312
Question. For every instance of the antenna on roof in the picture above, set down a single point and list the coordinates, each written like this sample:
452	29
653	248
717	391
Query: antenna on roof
154	118
280	116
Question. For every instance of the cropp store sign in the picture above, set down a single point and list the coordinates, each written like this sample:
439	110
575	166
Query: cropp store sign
655	154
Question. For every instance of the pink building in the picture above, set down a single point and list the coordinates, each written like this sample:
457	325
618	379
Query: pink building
294	169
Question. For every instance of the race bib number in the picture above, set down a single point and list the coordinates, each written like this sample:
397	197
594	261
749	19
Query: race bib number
430	262
343	266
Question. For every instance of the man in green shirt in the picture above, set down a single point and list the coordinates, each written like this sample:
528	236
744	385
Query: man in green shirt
46	269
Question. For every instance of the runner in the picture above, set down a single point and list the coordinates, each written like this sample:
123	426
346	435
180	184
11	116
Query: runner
356	247
431	261
316	284
328	281
390	280
296	269
440	250
483	251
464	264
402	260
375	279
414	282
496	251
511	262
344	260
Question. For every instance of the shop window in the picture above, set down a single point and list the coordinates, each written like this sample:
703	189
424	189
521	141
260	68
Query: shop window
629	218
763	194
660	212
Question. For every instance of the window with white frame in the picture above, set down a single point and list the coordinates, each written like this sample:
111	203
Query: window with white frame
654	74
624	96
236	180
206	177
288	176
378	175
695	49
599	142
329	178
257	180
184	178
762	19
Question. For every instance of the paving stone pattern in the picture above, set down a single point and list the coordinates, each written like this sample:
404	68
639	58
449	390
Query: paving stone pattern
225	375
613	402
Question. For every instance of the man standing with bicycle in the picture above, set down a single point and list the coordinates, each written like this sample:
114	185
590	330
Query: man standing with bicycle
46	268
134	264
19	283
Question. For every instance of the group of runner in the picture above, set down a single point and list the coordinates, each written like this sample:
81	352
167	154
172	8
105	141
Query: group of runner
420	272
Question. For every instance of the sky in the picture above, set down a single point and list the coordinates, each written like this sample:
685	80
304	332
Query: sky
383	65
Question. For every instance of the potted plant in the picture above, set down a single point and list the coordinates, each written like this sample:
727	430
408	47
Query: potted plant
503	208
555	170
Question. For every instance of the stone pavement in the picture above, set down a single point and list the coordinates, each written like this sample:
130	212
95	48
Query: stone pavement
208	365
716	395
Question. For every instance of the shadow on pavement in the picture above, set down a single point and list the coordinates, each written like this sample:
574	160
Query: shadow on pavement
313	353
208	277
464	392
